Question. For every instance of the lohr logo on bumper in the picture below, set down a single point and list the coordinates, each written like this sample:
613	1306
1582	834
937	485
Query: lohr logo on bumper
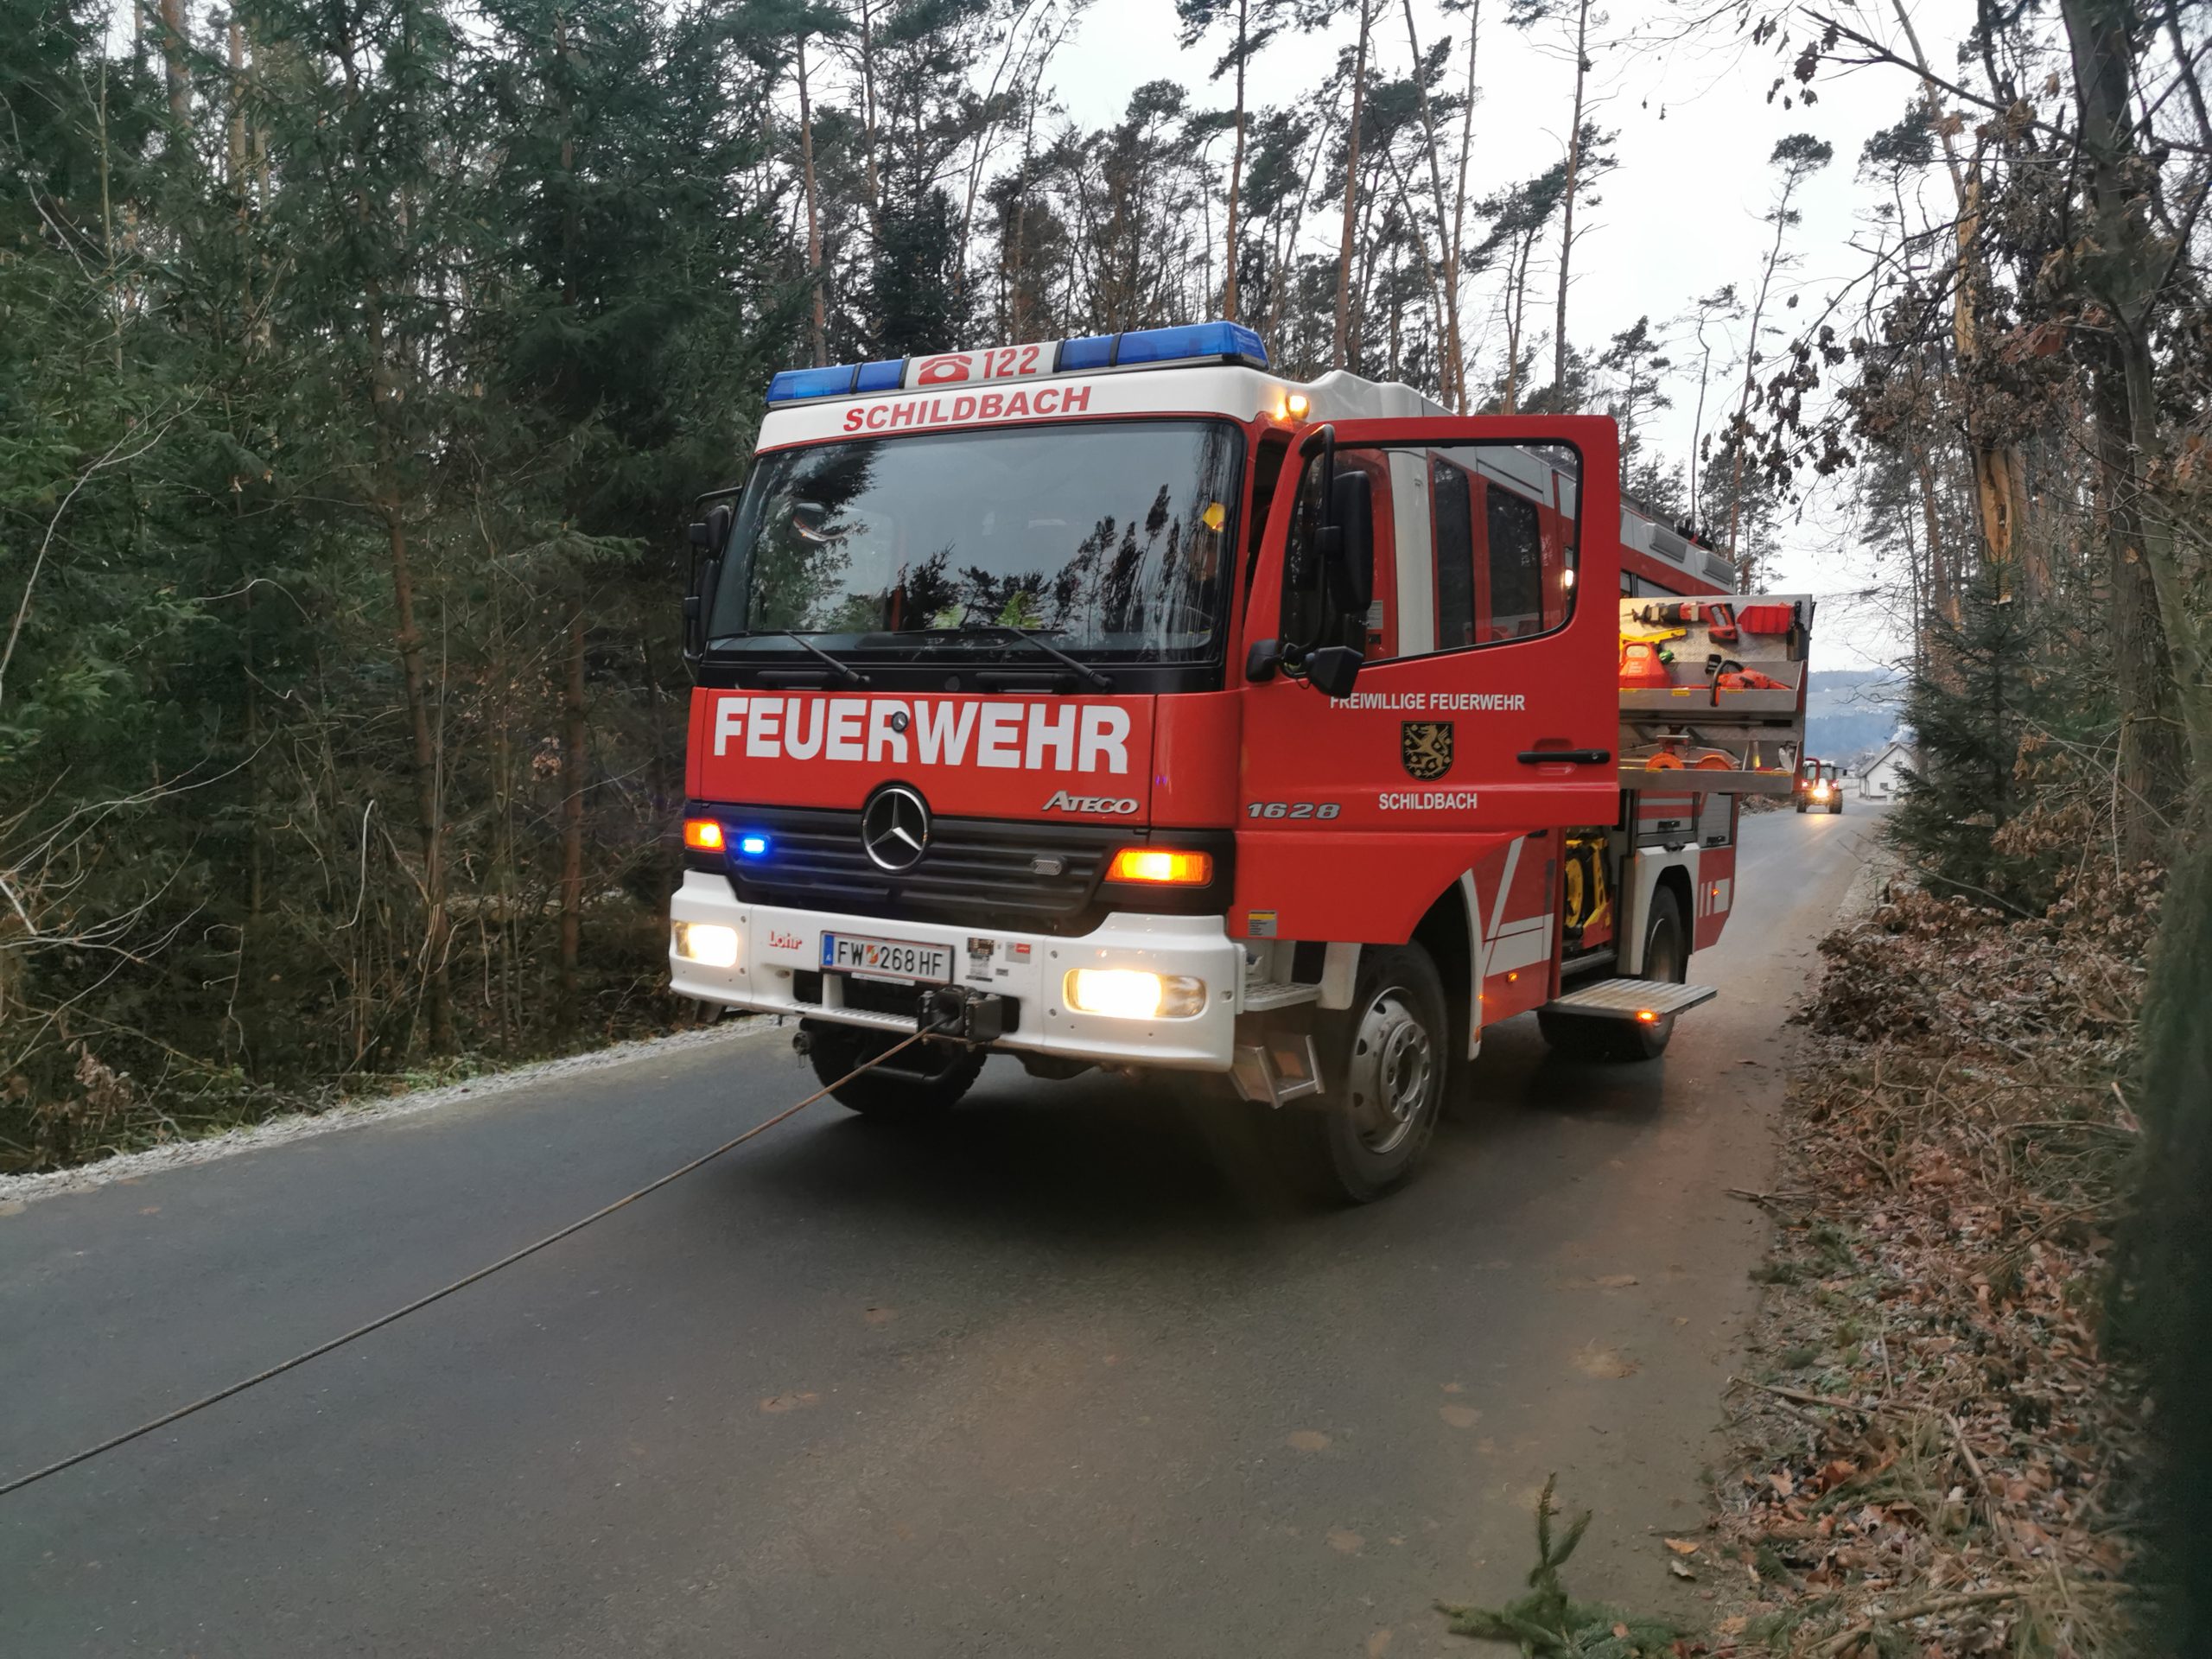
928	732
1107	804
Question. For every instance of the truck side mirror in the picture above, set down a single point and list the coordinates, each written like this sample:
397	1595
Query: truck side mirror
1348	549
1332	670
1342	546
708	537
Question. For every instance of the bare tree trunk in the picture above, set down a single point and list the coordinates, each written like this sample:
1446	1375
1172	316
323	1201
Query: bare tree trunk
1235	175
237	134
1697	421
1999	475
430	818
1942	595
867	124
172	62
575	735
1445	233
1460	206
1516	301
1279	292
2152	764
821	327
1573	180
387	356
1750	386
1352	196
2126	271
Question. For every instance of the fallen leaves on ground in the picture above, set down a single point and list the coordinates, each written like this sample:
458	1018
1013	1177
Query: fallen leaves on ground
1935	1447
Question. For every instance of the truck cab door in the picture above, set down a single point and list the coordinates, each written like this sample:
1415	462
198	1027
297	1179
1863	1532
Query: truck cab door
1484	706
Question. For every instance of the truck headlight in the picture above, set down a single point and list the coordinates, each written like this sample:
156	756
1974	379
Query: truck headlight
1132	993
706	944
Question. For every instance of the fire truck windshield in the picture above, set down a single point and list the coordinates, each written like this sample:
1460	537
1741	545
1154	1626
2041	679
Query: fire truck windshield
1114	540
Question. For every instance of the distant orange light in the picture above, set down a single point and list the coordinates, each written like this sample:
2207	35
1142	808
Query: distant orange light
1510	978
702	835
1160	867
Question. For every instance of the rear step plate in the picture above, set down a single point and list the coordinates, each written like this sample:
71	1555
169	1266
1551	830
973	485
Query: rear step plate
1630	998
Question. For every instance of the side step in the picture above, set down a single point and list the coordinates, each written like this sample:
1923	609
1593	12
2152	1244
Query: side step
1277	1071
1631	999
1262	995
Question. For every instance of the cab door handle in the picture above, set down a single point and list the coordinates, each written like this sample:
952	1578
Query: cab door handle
1573	757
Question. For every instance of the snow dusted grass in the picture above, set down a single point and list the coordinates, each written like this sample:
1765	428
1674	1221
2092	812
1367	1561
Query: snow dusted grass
16	1190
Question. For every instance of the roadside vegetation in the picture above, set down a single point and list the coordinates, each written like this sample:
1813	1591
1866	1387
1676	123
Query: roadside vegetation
1942	1449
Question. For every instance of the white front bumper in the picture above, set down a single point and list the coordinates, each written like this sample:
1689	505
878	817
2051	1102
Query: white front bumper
773	944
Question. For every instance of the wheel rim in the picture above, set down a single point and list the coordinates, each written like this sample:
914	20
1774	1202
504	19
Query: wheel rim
1392	1073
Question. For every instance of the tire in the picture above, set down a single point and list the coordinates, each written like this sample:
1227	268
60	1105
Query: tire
1386	1059
1667	957
1801	808
921	1085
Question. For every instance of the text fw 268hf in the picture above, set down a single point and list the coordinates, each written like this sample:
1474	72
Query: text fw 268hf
1115	702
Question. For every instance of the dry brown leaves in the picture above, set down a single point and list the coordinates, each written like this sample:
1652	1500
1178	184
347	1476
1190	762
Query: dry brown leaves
1933	1443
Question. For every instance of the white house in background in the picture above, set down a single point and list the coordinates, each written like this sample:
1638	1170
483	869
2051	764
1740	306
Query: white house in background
1881	778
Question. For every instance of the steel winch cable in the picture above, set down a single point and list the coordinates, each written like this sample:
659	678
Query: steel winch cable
462	1283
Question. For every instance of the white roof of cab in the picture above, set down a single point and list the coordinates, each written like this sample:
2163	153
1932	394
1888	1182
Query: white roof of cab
1237	392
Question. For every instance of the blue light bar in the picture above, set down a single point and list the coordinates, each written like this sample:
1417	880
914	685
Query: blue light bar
753	846
1085	354
791	384
1193	340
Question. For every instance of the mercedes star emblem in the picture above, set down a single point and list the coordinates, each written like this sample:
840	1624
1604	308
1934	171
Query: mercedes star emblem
895	828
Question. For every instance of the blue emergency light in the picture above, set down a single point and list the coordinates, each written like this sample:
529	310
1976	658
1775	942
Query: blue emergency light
753	846
1192	343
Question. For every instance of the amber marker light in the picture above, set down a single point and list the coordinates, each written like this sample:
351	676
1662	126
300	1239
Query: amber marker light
702	835
1647	1017
1161	869
1298	402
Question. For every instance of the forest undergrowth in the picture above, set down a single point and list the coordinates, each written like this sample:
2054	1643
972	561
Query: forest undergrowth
1937	1452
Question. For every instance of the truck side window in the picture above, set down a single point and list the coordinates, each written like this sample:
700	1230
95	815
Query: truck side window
1309	611
1451	515
1466	538
1516	566
1267	468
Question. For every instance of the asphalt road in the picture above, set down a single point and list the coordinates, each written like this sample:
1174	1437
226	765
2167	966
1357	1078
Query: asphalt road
1063	1379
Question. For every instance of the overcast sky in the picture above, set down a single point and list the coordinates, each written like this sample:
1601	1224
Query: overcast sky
1681	217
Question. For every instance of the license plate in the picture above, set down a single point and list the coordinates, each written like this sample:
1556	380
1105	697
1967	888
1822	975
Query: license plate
899	960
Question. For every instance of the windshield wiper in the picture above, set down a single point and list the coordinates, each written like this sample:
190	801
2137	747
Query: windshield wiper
1083	670
843	671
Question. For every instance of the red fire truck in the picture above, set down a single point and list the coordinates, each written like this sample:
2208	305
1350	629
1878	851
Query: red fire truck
1115	701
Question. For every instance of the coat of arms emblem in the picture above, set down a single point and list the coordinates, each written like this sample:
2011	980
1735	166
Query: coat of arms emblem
1426	747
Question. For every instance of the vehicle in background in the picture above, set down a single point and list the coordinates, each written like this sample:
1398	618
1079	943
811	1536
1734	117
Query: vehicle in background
1818	787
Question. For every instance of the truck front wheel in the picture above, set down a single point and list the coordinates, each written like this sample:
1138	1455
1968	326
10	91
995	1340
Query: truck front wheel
916	1085
1385	1059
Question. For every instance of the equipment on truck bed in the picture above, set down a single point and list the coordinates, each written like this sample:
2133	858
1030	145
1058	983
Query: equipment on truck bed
1116	701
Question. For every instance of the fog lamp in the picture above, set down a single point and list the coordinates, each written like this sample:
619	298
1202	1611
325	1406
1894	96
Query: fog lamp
706	944
1132	993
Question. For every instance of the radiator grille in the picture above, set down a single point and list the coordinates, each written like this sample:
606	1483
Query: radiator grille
982	873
